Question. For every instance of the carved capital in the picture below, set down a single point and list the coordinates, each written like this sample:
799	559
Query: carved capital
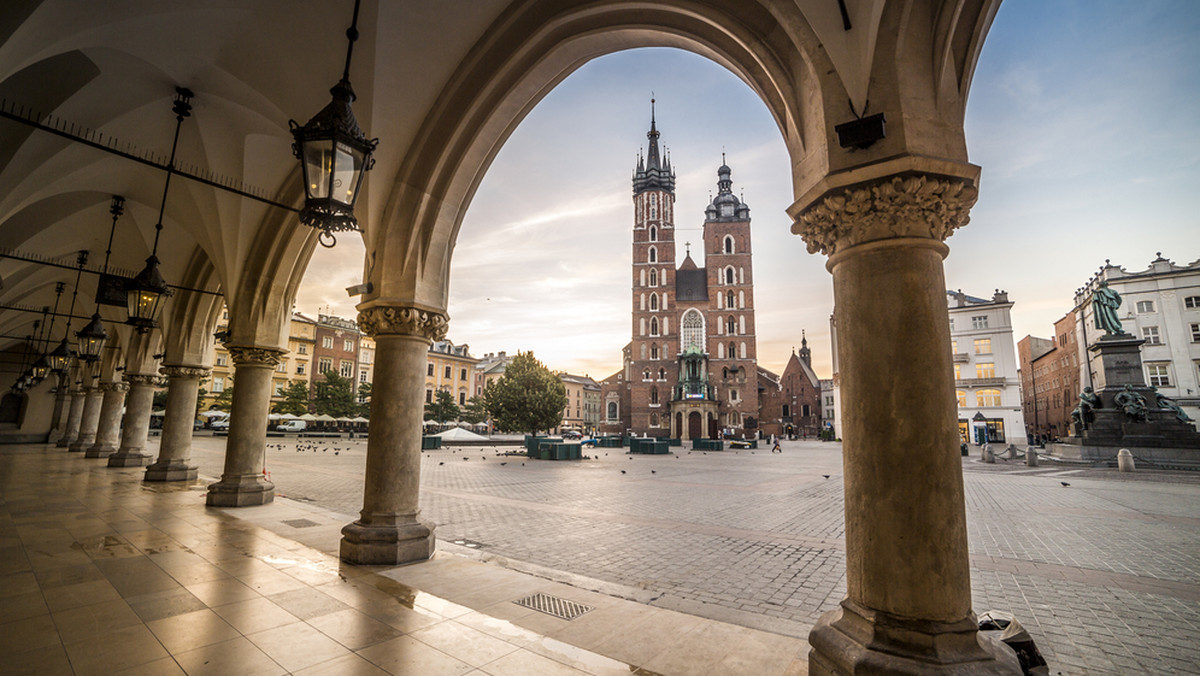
184	372
405	321
906	205
114	387
255	356
143	379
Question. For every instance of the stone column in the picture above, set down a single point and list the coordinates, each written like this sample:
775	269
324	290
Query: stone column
108	432
89	421
389	530
183	388
908	603
74	418
243	482
137	422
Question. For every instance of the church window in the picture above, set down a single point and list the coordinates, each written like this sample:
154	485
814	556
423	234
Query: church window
664	306
653	277
654	301
720	350
728	244
732	326
654	419
742	324
643	350
733	395
652	255
732	351
741	299
741	275
662	374
654	351
654	326
692	328
729	275
653	395
653	234
642	301
729	299
612	410
725	372
666	326
743	350
646	374
642	277
641	326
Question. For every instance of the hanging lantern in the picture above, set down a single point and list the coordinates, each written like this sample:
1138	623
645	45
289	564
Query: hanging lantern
145	294
41	368
60	358
334	156
91	339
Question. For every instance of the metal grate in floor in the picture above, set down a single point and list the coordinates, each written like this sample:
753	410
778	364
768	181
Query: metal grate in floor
554	606
301	523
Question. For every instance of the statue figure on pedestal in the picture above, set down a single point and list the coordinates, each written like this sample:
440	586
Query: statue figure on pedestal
1131	403
1105	302
1088	400
1168	404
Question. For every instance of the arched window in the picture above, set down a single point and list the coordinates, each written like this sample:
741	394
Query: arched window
653	277
654	419
642	277
732	351
646	374
654	326
653	234
654	351
612	410
653	395
987	398
725	372
741	299
743	350
729	299
730	278
654	301
652	255
692	331
662	374
720	350
728	244
731	327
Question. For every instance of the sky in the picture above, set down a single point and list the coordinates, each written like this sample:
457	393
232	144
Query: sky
1083	116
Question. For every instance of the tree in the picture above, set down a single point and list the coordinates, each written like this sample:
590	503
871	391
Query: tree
442	408
528	397
364	400
475	411
334	396
295	399
224	400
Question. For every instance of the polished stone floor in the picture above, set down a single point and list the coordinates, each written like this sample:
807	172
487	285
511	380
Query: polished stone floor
101	573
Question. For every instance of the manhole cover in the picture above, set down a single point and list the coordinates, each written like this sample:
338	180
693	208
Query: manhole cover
301	523
553	605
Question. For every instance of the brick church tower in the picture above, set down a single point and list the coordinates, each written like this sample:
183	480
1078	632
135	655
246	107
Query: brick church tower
690	369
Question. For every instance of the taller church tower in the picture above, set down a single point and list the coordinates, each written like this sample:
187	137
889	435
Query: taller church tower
651	369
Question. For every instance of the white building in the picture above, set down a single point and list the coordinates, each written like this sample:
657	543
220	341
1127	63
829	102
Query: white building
986	382
1160	305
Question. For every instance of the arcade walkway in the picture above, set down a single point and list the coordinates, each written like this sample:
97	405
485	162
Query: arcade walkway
101	573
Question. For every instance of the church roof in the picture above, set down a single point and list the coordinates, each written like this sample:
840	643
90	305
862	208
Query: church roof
691	283
688	263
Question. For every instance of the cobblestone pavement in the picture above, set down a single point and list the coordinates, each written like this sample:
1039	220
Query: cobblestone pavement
1104	573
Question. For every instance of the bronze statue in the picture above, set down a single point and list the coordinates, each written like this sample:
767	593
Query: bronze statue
1131	403
1168	404
1088	400
1105	302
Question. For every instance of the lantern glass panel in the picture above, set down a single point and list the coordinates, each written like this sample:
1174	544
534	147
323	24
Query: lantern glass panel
318	164
346	168
143	303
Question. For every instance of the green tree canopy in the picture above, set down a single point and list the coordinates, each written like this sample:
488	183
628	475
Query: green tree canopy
334	396
224	399
475	411
364	399
295	399
442	408
527	398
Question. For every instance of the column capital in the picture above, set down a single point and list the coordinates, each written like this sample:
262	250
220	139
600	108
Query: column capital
910	204
255	356
114	387
404	321
143	379
184	371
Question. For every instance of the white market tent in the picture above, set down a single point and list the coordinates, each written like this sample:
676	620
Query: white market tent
459	434
324	417
214	414
308	417
359	419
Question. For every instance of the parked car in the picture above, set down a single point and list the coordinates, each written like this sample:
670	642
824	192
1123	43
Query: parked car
222	424
571	435
292	426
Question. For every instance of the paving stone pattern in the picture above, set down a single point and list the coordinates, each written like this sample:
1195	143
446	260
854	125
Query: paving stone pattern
1105	572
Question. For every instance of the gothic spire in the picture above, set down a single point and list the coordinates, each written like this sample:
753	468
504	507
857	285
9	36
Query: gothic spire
652	152
655	172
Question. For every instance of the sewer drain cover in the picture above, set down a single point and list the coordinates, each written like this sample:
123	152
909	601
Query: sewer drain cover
552	605
301	523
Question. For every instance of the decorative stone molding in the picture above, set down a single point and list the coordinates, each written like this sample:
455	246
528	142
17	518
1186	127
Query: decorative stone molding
184	371
143	379
114	387
406	321
255	356
906	205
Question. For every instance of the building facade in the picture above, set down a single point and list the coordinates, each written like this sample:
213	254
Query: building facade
1050	376
1160	305
790	404
450	368
582	411
986	382
336	345
690	370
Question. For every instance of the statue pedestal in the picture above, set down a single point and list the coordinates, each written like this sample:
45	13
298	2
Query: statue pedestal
1120	365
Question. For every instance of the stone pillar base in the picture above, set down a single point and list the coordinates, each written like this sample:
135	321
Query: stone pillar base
387	544
128	459
100	451
858	640
78	448
171	471
64	442
245	491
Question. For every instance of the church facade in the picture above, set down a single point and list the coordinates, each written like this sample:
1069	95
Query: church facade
690	369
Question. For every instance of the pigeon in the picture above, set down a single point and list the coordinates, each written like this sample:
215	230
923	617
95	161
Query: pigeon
441	463
503	464
825	475
336	452
1064	483
622	471
653	472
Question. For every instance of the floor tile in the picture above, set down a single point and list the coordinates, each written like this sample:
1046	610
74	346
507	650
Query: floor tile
46	661
27	634
406	655
237	656
22	606
297	645
346	665
254	615
115	650
307	603
525	663
88	622
167	666
157	605
354	629
192	630
220	592
469	645
82	594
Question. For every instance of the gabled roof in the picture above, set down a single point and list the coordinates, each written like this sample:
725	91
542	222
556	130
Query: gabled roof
691	284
